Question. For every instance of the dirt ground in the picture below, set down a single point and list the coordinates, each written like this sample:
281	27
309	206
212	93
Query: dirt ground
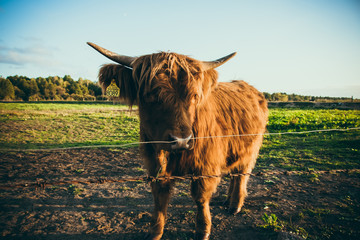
324	206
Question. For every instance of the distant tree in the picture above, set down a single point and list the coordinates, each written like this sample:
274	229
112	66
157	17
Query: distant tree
307	98
267	96
281	97
7	91
295	98
24	85
43	85
74	88
34	89
61	92
19	94
51	90
94	89
84	89
58	81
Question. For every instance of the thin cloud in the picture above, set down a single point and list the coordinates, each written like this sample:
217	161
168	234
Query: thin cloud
22	56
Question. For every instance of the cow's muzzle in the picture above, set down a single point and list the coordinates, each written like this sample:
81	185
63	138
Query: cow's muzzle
180	143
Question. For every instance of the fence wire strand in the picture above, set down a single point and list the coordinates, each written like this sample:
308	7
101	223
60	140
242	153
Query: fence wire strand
170	142
40	183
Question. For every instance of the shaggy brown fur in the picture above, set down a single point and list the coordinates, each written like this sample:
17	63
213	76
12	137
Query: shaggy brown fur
177	97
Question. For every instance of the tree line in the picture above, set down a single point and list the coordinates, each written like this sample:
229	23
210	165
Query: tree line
50	88
21	88
284	97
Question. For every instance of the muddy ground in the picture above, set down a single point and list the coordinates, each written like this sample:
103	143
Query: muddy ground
316	206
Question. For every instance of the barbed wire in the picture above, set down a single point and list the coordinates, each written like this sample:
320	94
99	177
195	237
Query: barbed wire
41	183
170	142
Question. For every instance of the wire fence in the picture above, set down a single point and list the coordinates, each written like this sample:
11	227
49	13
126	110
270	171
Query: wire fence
170	142
40	183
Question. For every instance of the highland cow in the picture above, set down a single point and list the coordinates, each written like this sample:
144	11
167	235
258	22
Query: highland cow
181	101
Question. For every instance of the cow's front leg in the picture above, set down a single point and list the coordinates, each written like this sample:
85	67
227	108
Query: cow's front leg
161	193
202	191
238	193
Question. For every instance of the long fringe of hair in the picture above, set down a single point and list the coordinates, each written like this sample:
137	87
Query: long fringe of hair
145	68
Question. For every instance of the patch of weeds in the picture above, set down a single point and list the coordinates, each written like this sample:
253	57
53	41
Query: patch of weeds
245	211
275	178
271	205
116	150
301	232
348	204
79	171
272	180
271	222
301	215
269	181
226	178
296	229
314	177
348	199
310	175
139	184
75	190
318	213
183	194
139	169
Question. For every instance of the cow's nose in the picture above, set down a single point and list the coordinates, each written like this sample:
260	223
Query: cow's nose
180	143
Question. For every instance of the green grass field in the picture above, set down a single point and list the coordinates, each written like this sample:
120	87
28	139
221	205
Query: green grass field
47	125
62	125
318	151
25	126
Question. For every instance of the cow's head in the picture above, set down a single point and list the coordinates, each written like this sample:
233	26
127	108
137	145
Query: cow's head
167	87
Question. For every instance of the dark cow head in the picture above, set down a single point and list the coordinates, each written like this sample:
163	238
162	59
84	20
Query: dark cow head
167	87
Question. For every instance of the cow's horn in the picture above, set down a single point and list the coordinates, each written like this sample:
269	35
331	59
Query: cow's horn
123	60
217	63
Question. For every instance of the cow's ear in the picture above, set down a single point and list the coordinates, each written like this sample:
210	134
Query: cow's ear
123	79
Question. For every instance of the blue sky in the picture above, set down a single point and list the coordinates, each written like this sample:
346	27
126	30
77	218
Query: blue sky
309	47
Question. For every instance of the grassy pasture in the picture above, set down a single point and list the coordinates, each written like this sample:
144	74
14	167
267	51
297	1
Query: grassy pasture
63	125
47	125
318	151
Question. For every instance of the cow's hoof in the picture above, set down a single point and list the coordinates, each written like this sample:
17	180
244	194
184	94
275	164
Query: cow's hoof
150	236
234	211
202	236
